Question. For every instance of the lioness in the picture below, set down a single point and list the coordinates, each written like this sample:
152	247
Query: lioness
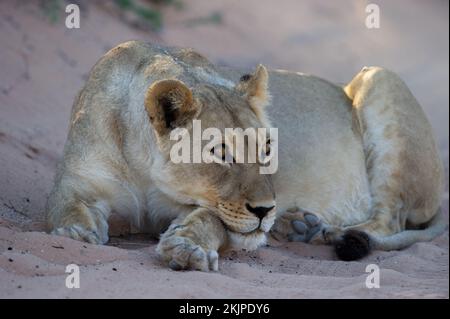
358	166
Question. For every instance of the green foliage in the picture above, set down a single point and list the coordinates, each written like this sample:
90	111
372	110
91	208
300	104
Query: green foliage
150	15
213	18
147	14
52	9
125	4
176	3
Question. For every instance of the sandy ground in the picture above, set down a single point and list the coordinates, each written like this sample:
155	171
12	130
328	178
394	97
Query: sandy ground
43	65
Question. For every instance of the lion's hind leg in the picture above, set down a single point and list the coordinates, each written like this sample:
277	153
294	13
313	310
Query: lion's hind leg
403	165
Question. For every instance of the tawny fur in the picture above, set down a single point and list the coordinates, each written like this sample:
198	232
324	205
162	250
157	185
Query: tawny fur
360	157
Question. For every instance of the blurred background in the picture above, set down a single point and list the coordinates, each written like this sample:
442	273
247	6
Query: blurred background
43	64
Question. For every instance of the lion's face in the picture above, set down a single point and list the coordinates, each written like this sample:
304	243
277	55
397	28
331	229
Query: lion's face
222	171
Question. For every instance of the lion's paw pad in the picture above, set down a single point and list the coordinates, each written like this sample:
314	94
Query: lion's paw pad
306	228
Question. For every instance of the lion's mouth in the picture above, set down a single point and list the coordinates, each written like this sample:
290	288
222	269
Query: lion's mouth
249	240
257	230
253	232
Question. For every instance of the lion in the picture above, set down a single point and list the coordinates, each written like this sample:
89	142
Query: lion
358	165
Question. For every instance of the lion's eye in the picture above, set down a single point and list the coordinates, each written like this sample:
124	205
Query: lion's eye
268	147
266	152
224	151
221	151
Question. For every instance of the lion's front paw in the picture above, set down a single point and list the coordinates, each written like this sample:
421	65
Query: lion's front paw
182	253
78	232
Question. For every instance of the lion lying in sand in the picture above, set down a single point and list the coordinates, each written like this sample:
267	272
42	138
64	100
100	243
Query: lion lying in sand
358	166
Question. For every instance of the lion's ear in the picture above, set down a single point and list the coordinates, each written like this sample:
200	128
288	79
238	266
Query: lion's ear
255	89
170	104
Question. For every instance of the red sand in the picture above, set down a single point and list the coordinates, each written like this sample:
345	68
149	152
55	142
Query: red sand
43	66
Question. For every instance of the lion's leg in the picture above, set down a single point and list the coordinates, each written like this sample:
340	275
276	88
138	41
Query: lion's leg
402	161
81	222
403	167
192	242
376	95
71	215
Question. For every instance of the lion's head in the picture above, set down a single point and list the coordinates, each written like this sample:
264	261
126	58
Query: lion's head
233	189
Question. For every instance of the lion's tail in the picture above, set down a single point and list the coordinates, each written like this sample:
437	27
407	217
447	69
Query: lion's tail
357	244
436	226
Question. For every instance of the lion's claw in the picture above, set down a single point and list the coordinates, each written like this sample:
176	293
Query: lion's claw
183	254
78	232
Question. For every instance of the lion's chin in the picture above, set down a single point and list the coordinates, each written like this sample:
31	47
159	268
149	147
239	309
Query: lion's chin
250	241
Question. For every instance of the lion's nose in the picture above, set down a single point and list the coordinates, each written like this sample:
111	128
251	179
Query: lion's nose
259	211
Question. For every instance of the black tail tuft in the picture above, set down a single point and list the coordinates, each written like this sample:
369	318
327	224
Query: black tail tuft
354	245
